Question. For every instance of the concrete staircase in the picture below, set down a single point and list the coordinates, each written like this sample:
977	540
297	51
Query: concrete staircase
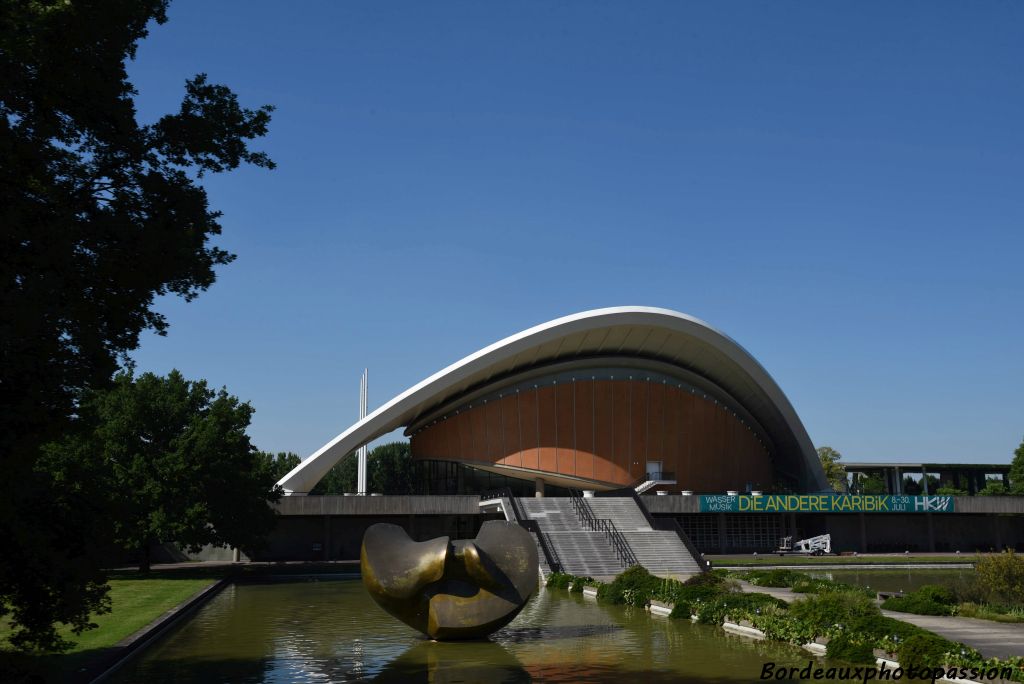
589	553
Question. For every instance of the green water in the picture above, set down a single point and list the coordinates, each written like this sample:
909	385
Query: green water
896	580
331	631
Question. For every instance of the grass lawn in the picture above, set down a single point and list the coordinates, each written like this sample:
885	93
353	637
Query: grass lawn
772	559
136	601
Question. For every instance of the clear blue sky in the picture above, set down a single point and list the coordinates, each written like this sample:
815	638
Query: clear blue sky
839	187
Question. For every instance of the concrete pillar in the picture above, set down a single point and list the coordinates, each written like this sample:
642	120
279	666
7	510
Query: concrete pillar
998	528
899	482
924	480
931	531
236	555
327	537
863	533
538	488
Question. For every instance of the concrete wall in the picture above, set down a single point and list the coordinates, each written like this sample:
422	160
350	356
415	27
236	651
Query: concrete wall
379	505
884	533
328	537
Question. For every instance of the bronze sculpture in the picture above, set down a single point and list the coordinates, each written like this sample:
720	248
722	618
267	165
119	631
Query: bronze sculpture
462	589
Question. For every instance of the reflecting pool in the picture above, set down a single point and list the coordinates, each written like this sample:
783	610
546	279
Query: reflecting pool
329	630
896	580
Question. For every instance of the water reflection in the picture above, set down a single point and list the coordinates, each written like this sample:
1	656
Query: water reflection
444	662
333	632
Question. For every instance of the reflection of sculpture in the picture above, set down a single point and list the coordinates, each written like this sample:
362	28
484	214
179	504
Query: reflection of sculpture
472	661
462	589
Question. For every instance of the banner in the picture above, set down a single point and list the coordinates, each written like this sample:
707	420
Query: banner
825	503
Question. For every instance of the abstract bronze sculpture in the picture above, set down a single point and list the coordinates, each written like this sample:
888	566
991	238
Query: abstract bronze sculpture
462	589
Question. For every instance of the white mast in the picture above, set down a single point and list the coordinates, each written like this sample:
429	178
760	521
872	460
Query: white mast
361	469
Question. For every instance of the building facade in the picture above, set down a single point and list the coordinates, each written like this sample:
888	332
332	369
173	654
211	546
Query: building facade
600	400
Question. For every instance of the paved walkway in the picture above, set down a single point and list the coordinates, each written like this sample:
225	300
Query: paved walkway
992	639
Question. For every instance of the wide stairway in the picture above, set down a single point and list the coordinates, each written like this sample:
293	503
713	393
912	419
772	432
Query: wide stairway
585	552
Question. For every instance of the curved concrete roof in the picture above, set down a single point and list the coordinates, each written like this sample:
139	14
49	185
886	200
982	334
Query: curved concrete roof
644	332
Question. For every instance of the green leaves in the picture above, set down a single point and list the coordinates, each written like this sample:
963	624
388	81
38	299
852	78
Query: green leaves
835	472
100	213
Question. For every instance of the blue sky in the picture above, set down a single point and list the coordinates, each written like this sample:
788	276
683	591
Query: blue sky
838	187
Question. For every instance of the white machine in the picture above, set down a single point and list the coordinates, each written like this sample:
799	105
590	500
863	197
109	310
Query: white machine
814	546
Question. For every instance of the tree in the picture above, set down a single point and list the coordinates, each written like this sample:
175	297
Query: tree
993	488
871	484
1017	471
1002	575
100	214
176	458
278	465
835	472
389	471
341	478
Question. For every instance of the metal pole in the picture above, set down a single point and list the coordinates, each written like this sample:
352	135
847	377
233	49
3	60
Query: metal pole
361	468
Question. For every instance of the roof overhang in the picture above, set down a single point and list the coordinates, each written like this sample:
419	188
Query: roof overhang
650	333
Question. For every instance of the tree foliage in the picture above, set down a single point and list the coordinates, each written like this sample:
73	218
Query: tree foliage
100	214
278	465
835	472
176	458
389	471
1017	471
870	484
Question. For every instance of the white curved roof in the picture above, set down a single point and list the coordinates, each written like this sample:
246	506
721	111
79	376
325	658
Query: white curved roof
651	333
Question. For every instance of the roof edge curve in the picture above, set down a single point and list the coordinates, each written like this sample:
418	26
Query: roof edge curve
442	385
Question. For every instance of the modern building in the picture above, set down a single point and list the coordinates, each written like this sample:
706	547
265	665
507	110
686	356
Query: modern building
621	401
596	401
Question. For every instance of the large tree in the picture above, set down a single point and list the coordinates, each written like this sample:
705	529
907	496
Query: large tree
835	472
1017	471
389	471
280	464
175	457
99	214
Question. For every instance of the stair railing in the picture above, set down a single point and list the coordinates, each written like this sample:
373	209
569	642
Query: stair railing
611	533
528	524
667	525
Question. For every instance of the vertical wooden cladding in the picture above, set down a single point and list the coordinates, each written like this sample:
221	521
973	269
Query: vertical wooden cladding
585	428
511	446
605	431
528	419
565	440
547	422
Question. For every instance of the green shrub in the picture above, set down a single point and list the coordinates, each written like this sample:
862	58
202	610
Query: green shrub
716	578
633	587
578	583
829	608
777	624
813	585
716	609
843	647
775	578
1002	575
925	650
917	604
937	594
879	630
686	598
560	580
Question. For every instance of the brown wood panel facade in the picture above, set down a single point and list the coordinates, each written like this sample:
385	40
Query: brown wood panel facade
604	432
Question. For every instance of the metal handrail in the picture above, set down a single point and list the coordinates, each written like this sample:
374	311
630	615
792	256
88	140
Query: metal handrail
668	525
605	525
528	524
